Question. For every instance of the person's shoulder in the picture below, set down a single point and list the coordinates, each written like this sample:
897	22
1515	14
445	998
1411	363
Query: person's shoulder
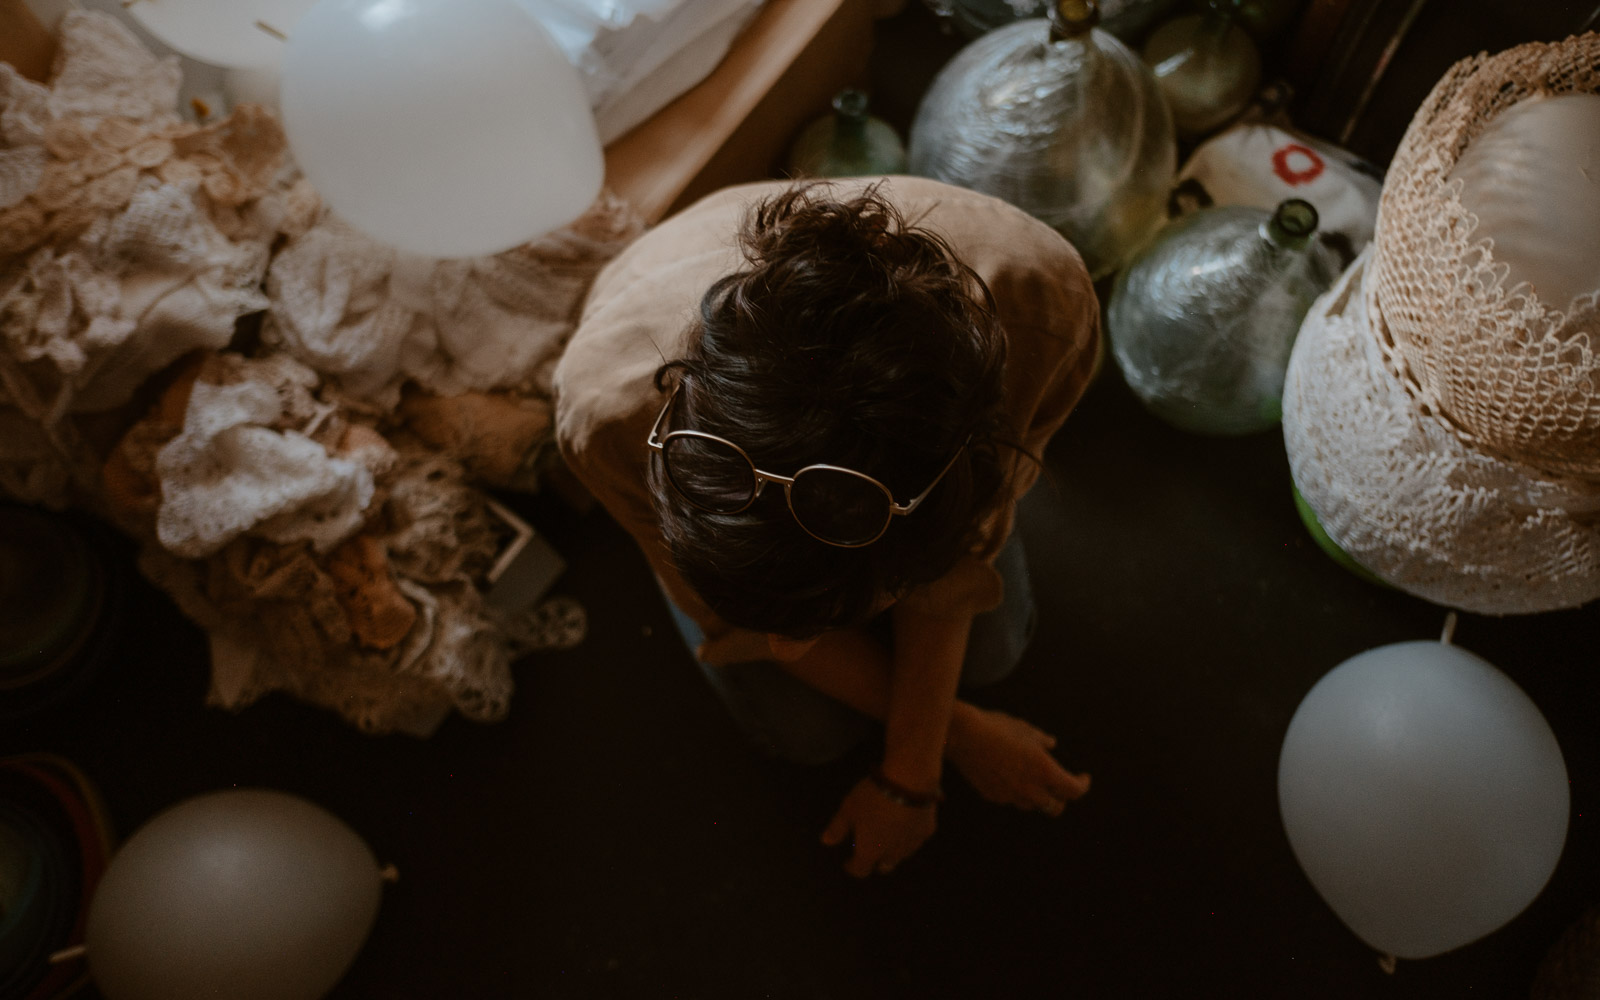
976	224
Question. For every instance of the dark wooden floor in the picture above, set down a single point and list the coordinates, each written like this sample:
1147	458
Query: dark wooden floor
615	838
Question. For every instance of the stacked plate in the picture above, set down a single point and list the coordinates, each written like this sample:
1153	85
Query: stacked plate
55	842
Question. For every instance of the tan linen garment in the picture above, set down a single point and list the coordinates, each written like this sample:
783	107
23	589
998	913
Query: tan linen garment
644	305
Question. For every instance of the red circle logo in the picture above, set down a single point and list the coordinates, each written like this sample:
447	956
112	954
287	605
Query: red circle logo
1297	164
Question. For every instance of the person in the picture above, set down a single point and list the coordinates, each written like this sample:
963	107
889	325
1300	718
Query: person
815	406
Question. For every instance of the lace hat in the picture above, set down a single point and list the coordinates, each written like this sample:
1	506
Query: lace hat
1509	373
1404	495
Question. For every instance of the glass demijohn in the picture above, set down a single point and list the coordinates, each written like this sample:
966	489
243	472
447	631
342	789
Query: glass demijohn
847	143
1202	321
1060	119
1207	68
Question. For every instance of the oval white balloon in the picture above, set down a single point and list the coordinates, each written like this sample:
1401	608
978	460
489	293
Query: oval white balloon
222	32
1532	177
249	893
449	128
1424	795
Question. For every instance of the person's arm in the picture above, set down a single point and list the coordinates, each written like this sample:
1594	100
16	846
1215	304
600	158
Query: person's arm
890	814
25	43
1005	758
925	671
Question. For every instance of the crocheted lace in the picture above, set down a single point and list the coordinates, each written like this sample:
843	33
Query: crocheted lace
127	239
310	505
1508	373
1403	494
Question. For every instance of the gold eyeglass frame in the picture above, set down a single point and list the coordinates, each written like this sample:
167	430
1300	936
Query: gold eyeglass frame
657	443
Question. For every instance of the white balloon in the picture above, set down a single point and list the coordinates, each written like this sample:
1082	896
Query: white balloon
222	32
249	894
449	128
1531	179
1424	795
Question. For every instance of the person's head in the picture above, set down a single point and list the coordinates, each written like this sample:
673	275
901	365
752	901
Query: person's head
851	338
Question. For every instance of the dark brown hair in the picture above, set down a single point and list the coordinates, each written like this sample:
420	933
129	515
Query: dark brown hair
854	338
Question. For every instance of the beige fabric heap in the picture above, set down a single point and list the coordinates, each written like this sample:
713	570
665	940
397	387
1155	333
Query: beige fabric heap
127	238
373	317
1511	374
312	505
323	559
245	462
1401	492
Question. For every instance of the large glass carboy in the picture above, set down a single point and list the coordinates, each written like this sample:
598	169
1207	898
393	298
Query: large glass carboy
1060	119
1202	321
1207	68
848	143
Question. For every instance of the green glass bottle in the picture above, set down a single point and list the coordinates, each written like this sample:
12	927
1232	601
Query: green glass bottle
848	143
1207	68
1203	319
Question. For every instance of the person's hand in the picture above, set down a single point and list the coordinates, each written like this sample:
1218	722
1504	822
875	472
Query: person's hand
1008	761
882	833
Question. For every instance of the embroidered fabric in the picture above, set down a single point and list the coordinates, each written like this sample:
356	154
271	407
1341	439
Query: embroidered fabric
127	239
373	317
359	597
1403	494
1508	373
245	462
329	539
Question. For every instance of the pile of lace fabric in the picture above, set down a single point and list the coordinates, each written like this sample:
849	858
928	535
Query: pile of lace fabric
295	422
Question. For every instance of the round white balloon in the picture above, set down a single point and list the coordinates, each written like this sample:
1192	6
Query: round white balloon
1424	795
249	894
1529	177
449	128
223	32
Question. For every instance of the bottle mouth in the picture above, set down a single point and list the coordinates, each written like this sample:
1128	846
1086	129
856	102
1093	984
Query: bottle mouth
1296	217
850	102
1071	18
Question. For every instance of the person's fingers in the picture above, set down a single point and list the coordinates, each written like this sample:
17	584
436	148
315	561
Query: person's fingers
862	861
1068	786
835	832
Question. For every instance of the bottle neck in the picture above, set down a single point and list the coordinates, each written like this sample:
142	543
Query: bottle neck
1292	225
1072	19
850	115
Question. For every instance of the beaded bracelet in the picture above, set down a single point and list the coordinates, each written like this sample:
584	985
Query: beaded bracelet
900	795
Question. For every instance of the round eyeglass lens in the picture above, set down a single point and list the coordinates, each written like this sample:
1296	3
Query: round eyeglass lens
845	508
709	473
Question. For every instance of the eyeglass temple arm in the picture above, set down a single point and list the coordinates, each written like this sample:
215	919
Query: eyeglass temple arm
654	439
916	501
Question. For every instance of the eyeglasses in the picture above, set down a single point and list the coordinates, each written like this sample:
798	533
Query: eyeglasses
832	504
